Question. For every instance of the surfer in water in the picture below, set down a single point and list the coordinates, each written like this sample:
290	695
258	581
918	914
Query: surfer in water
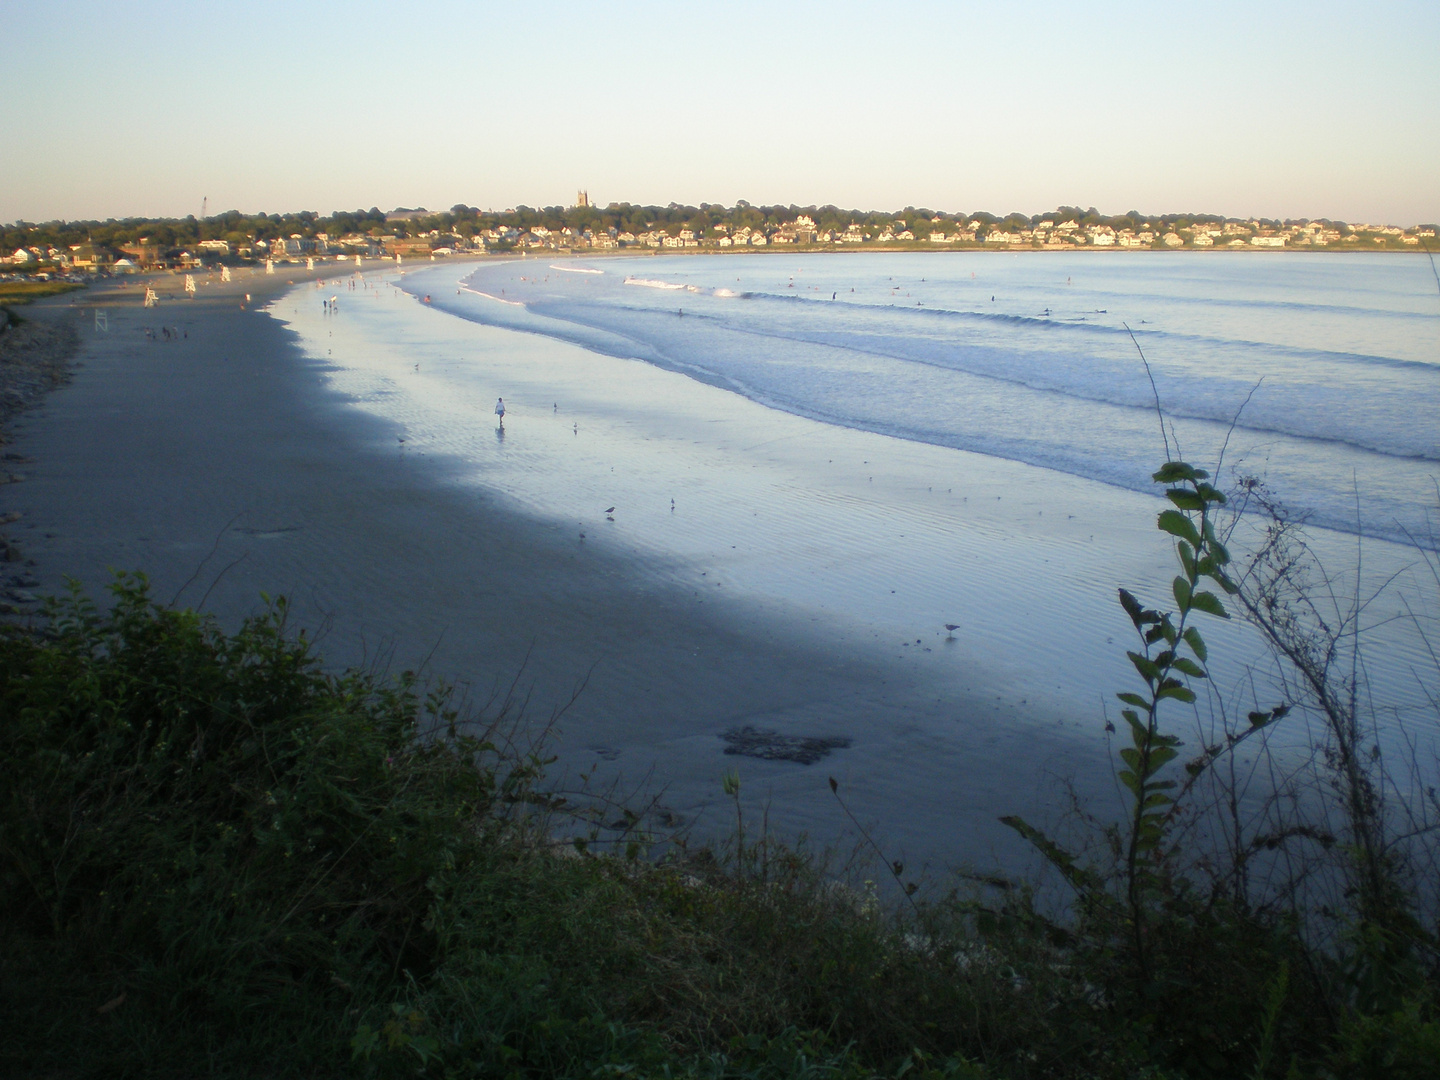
500	411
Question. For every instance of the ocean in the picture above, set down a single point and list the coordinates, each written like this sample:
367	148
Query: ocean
1327	367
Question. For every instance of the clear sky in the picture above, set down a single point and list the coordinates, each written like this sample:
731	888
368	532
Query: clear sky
1316	109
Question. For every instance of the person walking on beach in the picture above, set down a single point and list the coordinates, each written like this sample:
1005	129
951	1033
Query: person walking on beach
500	410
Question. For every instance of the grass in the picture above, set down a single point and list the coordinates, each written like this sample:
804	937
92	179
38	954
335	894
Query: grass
218	860
23	292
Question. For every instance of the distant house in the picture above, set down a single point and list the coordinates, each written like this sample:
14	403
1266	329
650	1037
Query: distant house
144	252
1267	241
21	257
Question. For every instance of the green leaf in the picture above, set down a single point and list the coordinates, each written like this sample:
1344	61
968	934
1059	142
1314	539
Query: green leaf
1173	471
1139	733
1189	667
1177	524
1196	642
1145	666
1133	699
1181	588
1187	558
1179	693
1209	603
1168	631
1131	606
1185	499
1161	756
1210	494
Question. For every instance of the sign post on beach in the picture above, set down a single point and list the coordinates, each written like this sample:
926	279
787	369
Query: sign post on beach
224	273
269	266
190	285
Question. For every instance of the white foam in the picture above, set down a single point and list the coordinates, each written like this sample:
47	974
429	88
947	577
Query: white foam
492	296
650	284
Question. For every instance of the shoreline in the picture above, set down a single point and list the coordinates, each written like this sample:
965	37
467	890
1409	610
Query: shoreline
230	463
223	466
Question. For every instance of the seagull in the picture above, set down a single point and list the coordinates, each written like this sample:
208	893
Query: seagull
951	627
611	510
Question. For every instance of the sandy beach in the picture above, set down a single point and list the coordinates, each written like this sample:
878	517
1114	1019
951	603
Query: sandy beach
782	617
223	466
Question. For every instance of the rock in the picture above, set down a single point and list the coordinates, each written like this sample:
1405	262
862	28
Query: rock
773	746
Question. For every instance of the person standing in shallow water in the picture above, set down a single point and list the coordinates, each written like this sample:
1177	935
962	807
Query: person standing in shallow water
500	410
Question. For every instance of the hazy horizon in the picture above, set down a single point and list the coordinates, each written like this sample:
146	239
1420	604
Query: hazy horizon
1274	110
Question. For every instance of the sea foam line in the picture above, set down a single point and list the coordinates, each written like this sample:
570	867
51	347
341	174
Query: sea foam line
652	284
492	296
575	269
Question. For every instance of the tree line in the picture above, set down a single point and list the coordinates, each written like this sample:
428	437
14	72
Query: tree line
707	219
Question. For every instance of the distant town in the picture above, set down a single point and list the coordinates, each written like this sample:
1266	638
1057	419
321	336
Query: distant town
232	238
